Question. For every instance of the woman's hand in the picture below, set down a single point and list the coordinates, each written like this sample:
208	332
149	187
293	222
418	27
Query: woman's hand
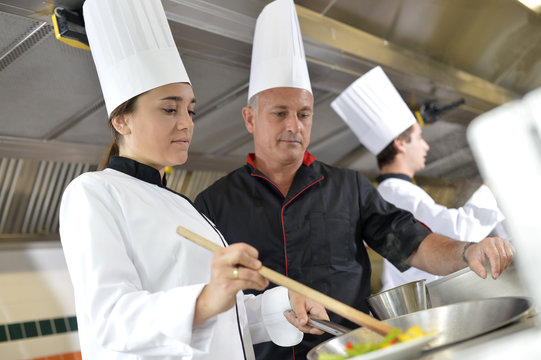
304	307
233	268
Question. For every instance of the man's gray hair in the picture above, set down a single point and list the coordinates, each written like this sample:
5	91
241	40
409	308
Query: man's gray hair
253	102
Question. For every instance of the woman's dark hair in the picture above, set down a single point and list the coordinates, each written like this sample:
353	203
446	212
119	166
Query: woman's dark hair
387	155
126	107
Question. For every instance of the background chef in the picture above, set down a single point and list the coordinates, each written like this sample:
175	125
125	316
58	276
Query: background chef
384	124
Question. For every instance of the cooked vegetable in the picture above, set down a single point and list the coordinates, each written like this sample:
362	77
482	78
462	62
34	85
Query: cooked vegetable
393	337
332	357
413	332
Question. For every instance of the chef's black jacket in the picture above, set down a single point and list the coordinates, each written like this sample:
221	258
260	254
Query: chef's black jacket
315	233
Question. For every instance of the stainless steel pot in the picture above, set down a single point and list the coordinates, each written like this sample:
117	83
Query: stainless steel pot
455	322
400	300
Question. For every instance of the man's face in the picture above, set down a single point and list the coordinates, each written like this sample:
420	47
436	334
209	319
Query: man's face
281	124
416	149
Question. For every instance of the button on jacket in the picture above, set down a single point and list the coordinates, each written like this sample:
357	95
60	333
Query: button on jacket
315	232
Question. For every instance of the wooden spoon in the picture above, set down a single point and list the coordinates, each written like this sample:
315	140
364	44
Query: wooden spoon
346	311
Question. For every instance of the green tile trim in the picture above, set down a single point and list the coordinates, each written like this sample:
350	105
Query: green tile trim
60	325
3	333
72	321
30	329
15	331
46	327
37	328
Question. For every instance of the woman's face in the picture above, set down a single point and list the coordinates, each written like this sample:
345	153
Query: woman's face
159	131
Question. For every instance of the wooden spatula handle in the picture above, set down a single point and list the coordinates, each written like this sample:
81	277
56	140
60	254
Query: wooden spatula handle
346	311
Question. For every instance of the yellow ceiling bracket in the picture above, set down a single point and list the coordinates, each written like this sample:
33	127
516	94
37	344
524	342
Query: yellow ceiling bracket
69	28
419	118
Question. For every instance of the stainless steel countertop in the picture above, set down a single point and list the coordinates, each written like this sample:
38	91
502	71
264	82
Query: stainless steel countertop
513	334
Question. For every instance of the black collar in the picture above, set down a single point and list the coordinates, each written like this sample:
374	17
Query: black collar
382	177
305	176
137	170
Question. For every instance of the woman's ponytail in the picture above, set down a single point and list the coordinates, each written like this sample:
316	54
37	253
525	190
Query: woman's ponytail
126	107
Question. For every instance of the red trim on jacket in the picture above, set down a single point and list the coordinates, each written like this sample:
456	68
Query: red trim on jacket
251	159
425	225
307	160
311	159
282	216
269	180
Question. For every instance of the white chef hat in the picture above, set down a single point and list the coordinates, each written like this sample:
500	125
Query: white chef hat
374	110
278	53
132	47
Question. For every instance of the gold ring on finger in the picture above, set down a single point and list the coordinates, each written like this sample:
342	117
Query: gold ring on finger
236	272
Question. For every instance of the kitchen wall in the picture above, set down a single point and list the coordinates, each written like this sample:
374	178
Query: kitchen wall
37	313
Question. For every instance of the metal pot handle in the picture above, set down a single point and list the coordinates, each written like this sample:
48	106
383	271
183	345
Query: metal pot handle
325	325
328	326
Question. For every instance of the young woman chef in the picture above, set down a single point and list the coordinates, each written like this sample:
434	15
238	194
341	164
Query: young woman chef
141	290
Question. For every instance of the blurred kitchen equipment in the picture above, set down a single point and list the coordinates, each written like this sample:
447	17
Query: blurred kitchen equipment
513	173
455	323
400	300
431	111
328	302
465	285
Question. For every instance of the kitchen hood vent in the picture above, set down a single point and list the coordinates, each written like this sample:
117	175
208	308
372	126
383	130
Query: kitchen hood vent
15	47
31	192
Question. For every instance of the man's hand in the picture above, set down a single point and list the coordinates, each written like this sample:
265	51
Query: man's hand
440	255
497	251
303	307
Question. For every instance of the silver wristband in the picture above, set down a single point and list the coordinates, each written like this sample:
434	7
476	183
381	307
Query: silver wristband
464	252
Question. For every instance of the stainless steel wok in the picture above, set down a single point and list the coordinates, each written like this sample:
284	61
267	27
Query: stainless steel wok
455	322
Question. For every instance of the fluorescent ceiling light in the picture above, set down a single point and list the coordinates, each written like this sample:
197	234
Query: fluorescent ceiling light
534	5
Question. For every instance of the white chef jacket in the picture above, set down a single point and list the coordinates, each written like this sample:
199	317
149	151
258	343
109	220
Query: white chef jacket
472	222
136	280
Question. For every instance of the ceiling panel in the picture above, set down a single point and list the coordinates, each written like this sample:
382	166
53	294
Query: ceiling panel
243	149
498	40
14	28
326	122
338	146
363	161
92	129
212	80
219	127
373	16
44	87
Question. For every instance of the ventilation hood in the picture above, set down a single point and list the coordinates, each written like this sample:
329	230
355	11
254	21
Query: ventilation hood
53	119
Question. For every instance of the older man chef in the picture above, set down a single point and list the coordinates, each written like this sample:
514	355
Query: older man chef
308	219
